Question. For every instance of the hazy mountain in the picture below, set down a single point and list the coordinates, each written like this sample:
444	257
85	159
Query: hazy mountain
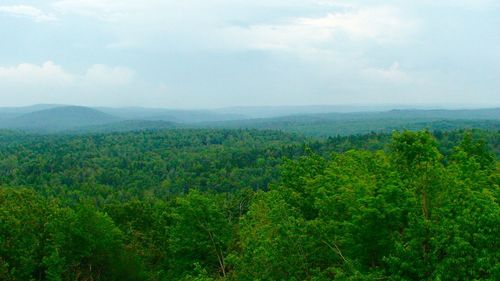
330	124
171	115
277	111
7	113
429	115
435	114
488	113
28	109
59	118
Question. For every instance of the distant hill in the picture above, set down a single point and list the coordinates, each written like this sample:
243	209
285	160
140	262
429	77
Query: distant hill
280	111
58	118
7	113
488	113
75	119
171	115
433	114
27	109
331	124
134	113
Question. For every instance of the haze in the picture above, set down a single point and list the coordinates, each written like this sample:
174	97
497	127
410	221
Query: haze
210	54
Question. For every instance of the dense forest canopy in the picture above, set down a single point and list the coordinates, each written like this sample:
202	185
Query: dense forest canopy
222	204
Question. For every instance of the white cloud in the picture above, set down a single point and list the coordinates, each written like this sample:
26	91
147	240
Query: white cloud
51	74
464	4
392	74
50	83
329	47
28	12
26	73
103	10
468	4
381	25
106	75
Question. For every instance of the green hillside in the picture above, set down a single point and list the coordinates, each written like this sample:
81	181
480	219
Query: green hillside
58	119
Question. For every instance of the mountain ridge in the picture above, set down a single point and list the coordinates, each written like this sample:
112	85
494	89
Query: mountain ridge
58	118
61	118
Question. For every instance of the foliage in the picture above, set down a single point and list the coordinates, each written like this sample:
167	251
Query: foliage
249	205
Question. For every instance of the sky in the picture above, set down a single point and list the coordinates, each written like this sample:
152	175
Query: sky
220	53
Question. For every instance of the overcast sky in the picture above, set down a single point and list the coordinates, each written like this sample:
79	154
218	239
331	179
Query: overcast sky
217	53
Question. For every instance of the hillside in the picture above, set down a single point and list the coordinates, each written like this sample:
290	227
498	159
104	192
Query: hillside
330	124
51	118
27	109
171	115
58	118
280	111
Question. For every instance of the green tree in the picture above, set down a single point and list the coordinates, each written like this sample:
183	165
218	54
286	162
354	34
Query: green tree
200	234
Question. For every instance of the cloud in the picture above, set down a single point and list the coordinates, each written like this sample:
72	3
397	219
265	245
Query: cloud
131	24
27	12
49	82
111	76
469	4
464	4
51	74
102	10
26	73
380	25
392	74
307	50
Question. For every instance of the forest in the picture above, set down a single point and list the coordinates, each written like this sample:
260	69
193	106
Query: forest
247	204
